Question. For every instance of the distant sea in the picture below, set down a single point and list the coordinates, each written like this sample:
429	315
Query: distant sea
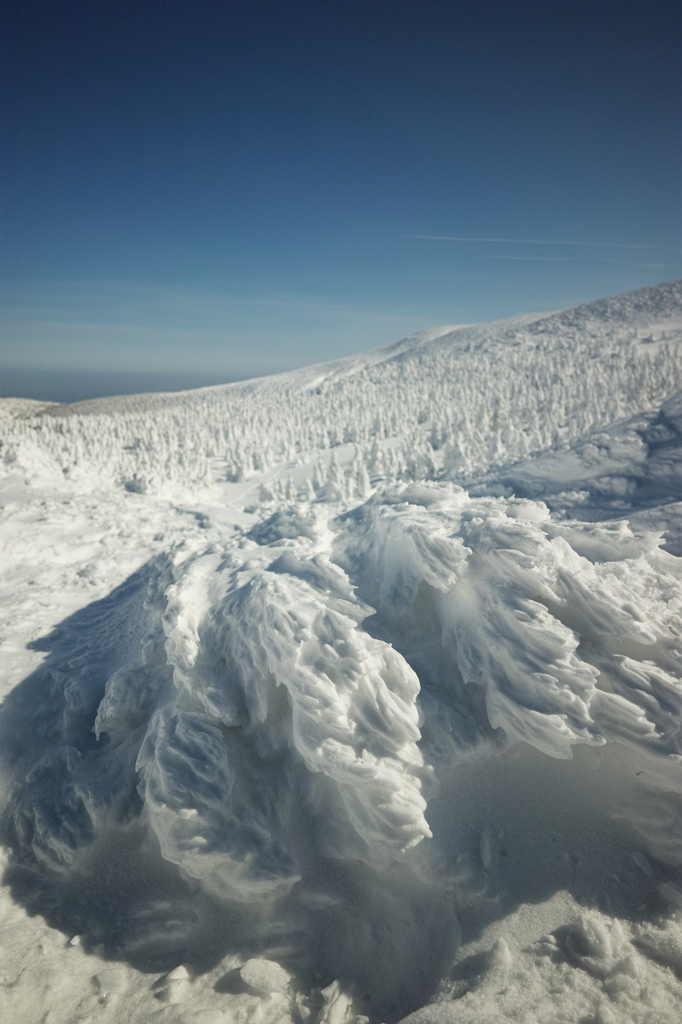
77	385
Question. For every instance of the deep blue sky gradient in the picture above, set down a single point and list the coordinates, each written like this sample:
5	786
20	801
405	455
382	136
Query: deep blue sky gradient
233	188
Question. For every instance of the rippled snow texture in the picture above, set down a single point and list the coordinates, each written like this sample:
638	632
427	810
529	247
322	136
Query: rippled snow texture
283	688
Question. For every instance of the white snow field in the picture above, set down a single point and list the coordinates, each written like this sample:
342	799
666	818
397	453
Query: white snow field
353	692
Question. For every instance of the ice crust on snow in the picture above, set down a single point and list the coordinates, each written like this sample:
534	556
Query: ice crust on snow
265	975
381	712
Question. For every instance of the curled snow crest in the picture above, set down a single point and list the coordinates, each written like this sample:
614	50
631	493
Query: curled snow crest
300	690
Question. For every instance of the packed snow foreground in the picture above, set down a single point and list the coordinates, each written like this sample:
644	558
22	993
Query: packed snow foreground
353	692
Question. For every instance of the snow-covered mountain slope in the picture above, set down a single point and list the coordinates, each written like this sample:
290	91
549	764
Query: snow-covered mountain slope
447	402
355	690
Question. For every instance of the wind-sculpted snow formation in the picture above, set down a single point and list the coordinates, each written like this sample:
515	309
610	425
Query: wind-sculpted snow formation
280	692
367	722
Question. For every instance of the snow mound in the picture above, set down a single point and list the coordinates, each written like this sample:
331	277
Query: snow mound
334	671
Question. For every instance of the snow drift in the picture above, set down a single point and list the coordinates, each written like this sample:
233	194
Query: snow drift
284	682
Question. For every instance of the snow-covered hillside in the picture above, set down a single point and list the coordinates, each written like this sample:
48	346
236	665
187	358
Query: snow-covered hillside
353	691
448	402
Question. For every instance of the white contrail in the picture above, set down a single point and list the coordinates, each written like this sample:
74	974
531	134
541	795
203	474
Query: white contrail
580	259
542	241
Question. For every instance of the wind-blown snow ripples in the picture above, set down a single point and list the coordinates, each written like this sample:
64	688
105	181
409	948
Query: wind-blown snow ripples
301	681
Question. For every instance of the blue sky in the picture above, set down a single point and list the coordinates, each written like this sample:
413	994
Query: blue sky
214	189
